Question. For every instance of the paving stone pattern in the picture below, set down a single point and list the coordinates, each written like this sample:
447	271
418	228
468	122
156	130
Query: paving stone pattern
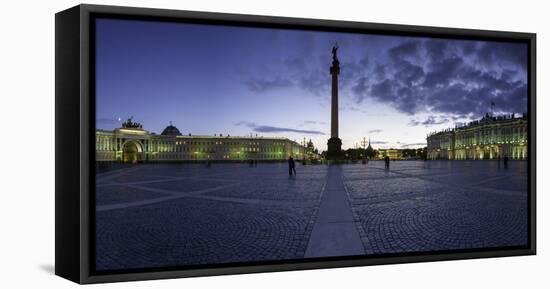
157	215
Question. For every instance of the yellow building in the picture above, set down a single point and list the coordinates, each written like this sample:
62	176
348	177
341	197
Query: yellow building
488	138
131	143
393	154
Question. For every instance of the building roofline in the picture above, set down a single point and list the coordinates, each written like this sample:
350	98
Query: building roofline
254	138
481	122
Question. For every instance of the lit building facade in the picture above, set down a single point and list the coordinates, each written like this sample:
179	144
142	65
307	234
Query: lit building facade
488	138
393	154
131	143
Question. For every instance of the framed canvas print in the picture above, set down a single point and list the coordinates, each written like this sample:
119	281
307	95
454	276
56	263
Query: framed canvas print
192	144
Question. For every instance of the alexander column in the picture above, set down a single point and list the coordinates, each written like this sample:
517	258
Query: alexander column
334	143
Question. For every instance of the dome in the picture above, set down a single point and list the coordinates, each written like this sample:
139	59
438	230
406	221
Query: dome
171	130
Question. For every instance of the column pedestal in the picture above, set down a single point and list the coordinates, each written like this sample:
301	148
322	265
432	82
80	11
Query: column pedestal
334	151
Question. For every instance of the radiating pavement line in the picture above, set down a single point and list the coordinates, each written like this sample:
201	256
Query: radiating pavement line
199	194
476	185
158	200
165	179
101	177
334	232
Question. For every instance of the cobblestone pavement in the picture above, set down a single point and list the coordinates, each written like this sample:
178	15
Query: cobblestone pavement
438	205
182	214
168	215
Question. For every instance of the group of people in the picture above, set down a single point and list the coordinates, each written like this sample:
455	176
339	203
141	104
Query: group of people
253	163
292	164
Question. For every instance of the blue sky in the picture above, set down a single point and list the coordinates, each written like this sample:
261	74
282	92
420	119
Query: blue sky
210	79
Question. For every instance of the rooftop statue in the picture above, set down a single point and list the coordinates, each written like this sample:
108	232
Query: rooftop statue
131	124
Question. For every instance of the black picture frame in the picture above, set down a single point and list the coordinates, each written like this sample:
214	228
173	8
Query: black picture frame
75	136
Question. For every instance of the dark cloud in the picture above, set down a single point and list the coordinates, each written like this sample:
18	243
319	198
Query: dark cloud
379	72
436	48
295	62
316	82
246	123
469	47
383	89
408	100
403	98
378	142
457	78
408	145
408	49
417	75
315	122
442	72
266	128
489	79
503	54
274	129
264	84
351	107
431	120
364	62
107	120
409	74
373	131
360	89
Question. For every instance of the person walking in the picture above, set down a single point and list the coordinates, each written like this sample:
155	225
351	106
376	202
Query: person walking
387	162
291	166
505	161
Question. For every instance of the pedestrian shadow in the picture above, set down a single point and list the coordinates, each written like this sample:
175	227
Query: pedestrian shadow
48	268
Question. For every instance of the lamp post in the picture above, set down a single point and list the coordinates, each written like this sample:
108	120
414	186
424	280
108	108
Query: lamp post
364	144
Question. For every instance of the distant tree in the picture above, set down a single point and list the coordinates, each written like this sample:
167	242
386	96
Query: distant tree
409	153
424	153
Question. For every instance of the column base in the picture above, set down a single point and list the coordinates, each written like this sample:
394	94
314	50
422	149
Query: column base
334	151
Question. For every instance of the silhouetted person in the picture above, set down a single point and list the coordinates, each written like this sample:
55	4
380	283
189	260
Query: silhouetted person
291	166
251	163
498	160
387	162
505	161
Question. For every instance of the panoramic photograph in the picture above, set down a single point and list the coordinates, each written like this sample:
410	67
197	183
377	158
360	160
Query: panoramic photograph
237	145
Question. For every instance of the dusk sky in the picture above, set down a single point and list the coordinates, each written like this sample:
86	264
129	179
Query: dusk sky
271	82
